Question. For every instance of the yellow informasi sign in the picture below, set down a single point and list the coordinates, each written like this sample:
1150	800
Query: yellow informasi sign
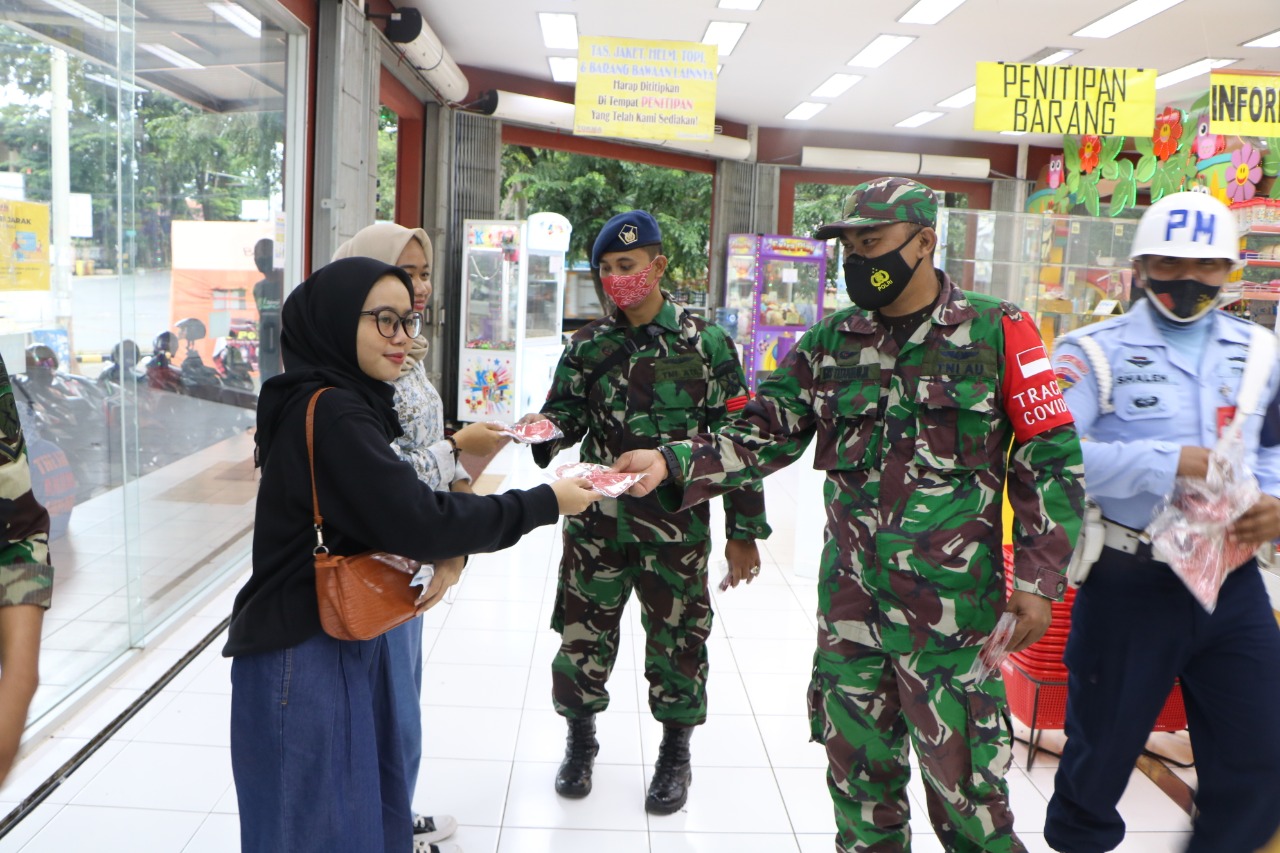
24	245
1065	99
1244	104
638	89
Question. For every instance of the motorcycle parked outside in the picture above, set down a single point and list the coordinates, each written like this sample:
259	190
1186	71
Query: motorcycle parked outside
67	410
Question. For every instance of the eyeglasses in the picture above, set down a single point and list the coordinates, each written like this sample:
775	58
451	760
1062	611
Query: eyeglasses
389	322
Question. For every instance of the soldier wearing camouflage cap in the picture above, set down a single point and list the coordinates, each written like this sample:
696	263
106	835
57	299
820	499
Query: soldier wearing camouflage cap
648	373
915	398
26	576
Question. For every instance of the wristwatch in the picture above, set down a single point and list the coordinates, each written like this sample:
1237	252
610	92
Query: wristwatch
673	465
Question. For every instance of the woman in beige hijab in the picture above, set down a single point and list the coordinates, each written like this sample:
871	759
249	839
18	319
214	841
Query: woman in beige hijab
434	457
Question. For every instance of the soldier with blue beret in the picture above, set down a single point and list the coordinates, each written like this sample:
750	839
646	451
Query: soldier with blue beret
650	372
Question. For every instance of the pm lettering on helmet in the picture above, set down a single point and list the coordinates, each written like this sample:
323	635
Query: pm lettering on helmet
1180	220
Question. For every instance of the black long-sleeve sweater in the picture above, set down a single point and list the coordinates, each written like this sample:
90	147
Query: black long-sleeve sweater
369	500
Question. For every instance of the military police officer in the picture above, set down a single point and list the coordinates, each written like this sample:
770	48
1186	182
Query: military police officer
914	398
26	578
1152	390
651	372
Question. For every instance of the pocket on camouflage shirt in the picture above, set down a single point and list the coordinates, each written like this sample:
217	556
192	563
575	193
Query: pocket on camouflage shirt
846	437
675	408
954	422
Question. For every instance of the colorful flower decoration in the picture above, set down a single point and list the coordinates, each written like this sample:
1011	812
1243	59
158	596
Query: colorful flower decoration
1244	173
1168	133
1055	171
1089	148
1208	144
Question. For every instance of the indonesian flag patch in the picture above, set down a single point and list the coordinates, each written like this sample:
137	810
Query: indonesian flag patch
1032	396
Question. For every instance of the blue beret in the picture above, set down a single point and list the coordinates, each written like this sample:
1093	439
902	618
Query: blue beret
624	232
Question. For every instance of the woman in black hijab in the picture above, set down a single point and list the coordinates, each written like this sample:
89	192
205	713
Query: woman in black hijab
314	750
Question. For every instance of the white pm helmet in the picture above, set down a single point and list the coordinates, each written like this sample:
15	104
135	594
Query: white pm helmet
1188	225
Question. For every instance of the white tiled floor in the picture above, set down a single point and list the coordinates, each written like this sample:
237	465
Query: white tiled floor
492	742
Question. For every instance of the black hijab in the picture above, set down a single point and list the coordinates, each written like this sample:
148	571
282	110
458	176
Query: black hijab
319	323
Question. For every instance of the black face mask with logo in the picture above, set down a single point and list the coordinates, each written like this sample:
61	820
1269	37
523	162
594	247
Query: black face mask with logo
1183	300
873	283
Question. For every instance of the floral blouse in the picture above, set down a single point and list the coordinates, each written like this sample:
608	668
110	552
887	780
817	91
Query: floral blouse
422	418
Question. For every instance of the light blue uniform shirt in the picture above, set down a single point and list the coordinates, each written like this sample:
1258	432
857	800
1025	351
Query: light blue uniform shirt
1162	402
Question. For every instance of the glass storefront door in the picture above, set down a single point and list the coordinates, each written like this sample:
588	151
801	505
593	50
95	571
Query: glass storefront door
147	186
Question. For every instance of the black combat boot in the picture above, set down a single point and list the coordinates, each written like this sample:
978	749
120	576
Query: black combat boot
672	775
580	748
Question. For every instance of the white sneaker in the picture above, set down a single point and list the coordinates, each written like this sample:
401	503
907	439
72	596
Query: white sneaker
433	828
420	846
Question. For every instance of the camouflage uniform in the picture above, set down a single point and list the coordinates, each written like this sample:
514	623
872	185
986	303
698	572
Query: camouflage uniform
916	449
679	379
26	577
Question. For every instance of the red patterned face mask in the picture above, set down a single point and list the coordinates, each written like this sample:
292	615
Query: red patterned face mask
628	291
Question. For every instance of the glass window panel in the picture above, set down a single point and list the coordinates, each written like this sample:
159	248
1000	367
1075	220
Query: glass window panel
144	152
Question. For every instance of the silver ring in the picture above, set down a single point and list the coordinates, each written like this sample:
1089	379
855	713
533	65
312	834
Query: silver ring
755	570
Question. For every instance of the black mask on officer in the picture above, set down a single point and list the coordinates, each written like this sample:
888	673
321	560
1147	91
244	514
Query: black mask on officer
1182	300
873	283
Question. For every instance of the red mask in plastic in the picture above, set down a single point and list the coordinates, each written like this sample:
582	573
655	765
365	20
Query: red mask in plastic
628	291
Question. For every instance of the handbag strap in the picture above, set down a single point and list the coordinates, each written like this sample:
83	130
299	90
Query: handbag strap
317	519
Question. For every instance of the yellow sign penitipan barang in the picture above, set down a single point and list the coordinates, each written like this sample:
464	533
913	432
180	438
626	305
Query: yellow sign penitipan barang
637	89
1065	99
1244	104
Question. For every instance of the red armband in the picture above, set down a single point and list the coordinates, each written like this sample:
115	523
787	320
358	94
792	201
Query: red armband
737	404
1032	398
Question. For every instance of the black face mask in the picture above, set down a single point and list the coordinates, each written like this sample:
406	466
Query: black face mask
1182	300
873	283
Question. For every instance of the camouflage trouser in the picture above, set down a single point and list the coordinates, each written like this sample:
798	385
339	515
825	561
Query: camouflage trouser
863	705
596	578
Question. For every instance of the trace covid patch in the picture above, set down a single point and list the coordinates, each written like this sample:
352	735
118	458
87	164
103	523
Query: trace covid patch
1032	395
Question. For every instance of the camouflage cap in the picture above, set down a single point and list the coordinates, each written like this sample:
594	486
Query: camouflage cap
882	201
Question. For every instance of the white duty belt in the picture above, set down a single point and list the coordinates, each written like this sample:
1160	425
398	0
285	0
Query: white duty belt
1123	538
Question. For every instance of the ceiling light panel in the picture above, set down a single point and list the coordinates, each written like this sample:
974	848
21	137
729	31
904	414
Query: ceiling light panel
1272	40
881	50
929	11
724	35
239	17
836	85
740	5
559	30
961	99
564	69
90	17
171	56
1124	18
113	82
1195	69
923	117
805	111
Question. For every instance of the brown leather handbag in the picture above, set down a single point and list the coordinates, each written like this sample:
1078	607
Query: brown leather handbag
364	595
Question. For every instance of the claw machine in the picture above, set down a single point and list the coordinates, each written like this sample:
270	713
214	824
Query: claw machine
774	287
513	277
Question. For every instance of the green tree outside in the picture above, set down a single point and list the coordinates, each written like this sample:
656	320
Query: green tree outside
590	190
186	162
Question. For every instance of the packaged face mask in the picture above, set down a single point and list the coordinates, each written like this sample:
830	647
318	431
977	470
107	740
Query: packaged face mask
537	432
608	483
